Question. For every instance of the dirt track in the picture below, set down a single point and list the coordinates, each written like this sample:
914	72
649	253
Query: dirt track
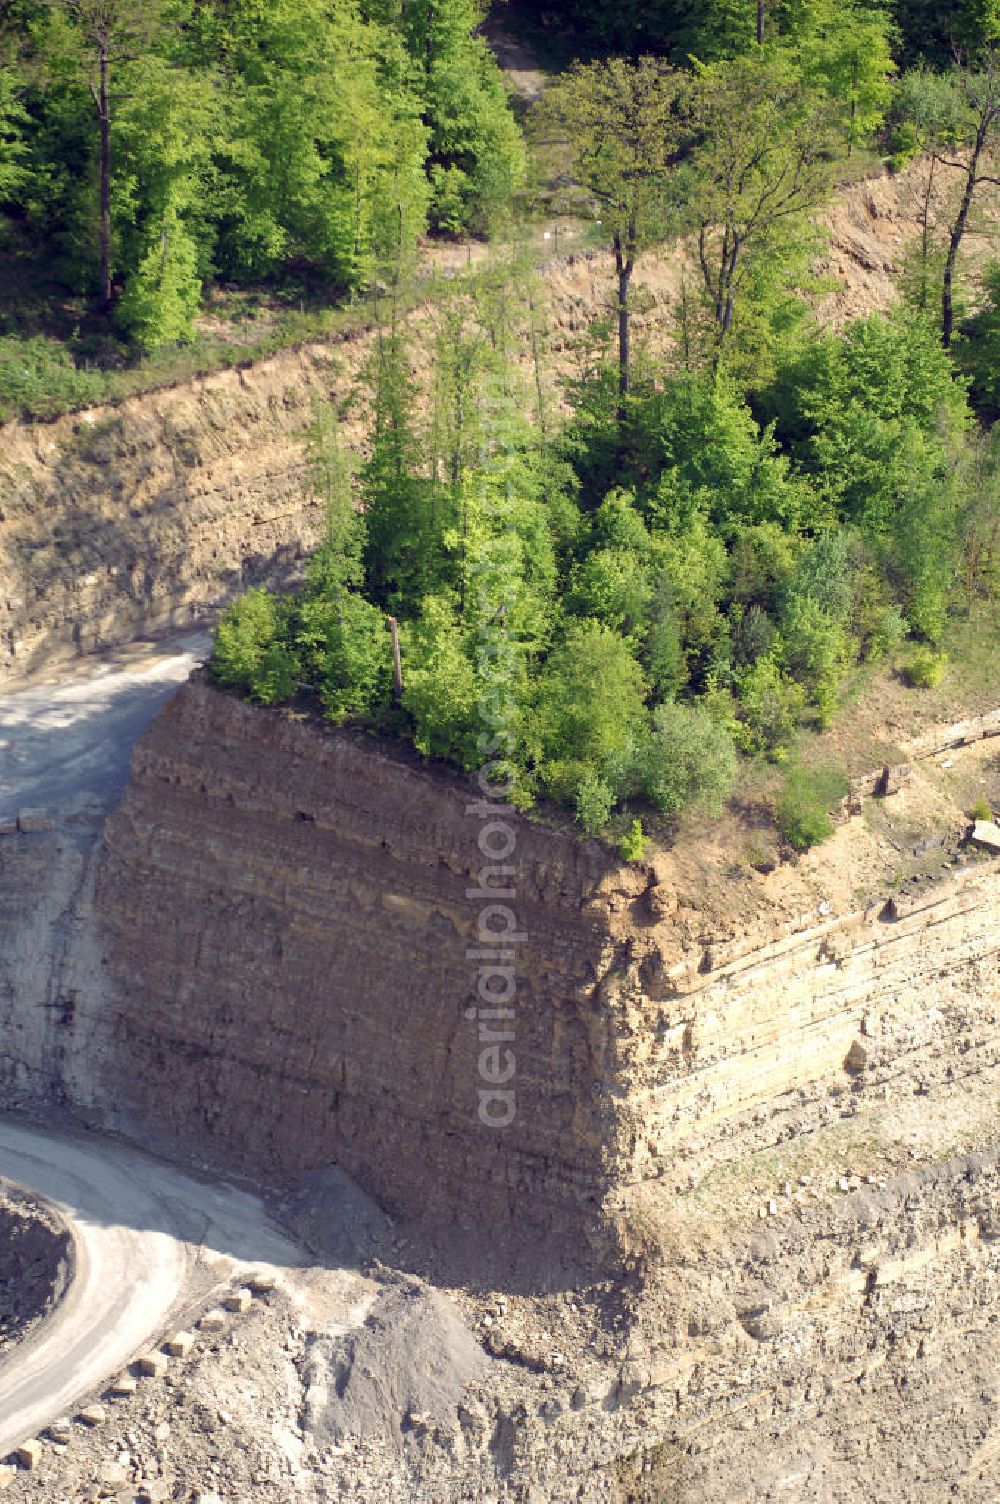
143	1233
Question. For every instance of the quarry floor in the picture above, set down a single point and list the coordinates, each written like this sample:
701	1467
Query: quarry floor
148	1239
66	735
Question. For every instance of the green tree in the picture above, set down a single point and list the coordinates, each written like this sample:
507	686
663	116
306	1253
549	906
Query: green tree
689	759
978	349
344	643
476	159
13	119
762	163
589	713
163	135
815	650
91	40
440	687
251	650
407	513
621	123
844	50
323	152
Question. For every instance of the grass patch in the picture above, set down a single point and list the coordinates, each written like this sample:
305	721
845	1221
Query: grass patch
804	807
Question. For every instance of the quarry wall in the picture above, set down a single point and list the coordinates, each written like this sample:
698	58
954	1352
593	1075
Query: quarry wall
269	958
152	513
119	522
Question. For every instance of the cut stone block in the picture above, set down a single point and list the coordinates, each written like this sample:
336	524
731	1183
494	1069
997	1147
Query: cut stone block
29	1453
986	833
61	1431
93	1415
263	1282
179	1345
238	1300
153	1365
212	1321
7	1476
121	1388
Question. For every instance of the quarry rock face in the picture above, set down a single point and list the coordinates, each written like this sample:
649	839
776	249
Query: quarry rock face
774	1118
290	951
123	521
293	957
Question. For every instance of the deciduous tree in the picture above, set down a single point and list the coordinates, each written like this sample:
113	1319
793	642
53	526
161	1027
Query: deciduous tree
763	161
622	125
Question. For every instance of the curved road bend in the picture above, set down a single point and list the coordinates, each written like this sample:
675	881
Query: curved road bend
139	1227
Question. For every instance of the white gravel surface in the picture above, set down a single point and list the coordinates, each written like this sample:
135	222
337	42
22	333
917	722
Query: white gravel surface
140	1228
69	735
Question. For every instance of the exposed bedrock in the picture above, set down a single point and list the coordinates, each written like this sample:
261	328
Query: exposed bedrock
119	522
285	918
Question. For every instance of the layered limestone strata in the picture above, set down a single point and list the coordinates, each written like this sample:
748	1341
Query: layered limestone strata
288	923
867	994
294	952
119	522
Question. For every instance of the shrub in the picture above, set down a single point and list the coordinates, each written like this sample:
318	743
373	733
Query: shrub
633	843
594	799
816	651
688	759
251	651
612	587
769	710
589	711
804	808
349	650
38	378
439	686
981	810
925	669
887	632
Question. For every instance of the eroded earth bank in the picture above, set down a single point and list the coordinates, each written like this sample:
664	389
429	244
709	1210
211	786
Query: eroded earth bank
36	1260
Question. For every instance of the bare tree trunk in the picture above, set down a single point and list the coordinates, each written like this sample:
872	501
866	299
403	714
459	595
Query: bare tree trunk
955	241
536	363
397	665
760	23
624	265
104	118
925	235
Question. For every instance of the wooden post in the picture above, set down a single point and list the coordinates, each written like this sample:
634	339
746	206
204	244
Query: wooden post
397	666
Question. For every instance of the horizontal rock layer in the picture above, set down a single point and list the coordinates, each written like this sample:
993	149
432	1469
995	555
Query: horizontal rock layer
288	920
289	927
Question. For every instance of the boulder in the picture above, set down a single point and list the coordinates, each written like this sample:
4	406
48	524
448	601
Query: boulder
29	1453
858	1056
986	834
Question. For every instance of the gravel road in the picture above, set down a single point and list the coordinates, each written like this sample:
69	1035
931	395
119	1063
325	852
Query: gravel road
140	1230
69	736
